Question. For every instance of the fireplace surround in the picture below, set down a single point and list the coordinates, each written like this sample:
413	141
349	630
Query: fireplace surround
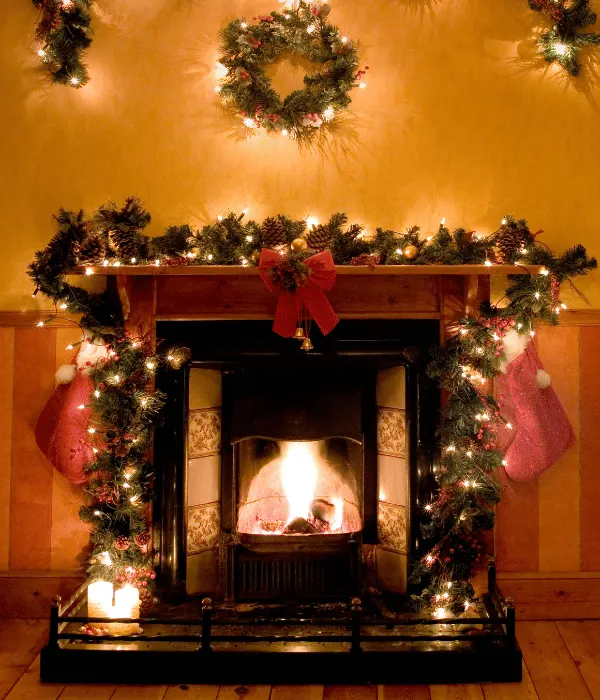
350	640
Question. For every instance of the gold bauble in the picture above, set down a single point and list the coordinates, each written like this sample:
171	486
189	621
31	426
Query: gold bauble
306	345
410	252
299	245
299	334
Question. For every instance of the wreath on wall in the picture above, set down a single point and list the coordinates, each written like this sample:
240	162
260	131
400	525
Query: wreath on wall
300	30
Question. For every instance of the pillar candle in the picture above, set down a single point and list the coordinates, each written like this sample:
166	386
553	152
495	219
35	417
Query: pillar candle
127	604
100	594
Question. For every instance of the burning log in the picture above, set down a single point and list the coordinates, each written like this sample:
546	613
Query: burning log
320	509
300	526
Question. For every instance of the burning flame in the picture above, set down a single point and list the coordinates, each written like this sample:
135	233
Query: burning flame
299	476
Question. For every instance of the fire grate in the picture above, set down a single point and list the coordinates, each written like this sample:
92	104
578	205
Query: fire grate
307	577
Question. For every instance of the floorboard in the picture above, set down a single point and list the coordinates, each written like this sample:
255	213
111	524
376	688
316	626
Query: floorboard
20	643
88	692
350	692
524	690
297	692
552	669
456	692
140	692
244	692
403	692
28	687
583	642
192	692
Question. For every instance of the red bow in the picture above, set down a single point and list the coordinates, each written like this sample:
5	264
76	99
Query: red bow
308	293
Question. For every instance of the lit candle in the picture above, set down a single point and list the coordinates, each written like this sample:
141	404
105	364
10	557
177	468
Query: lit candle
100	594
127	604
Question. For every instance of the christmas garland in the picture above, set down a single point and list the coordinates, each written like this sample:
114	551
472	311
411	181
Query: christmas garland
562	43
302	30
125	409
62	35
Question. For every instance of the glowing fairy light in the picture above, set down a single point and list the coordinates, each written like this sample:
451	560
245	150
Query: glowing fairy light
249	239
537	295
69	347
398	251
74	81
209	256
218	88
560	49
487	263
156	262
344	40
362	85
328	113
63	306
284	132
503	222
310	29
249	123
150	364
89	271
40	324
105	263
97	512
133	261
311	222
544	272
105	559
509	426
451	448
81	406
244	25
97	394
41	53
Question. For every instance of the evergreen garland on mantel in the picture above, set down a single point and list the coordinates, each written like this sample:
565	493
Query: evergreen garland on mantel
125	409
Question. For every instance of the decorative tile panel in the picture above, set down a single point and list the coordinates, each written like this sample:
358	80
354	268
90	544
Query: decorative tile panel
204	432
391	526
203	527
391	432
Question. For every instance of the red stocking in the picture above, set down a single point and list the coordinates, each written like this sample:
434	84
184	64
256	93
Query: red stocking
541	430
61	430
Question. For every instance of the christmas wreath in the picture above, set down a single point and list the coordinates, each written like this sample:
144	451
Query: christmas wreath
300	29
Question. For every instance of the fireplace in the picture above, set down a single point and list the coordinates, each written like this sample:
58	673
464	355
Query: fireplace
294	476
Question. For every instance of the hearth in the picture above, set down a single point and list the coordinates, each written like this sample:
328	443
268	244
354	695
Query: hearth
294	476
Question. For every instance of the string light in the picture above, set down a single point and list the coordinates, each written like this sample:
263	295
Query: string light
209	256
97	394
328	113
81	406
105	263
362	86
509	426
344	40
243	25
451	448
544	272
284	132
249	239
41	53
105	559
74	81
150	364
91	431
248	122
117	263
133	261
537	295
97	512
157	262
116	378
532	333
219	218
560	49
398	251
310	29
503	222
487	263
69	347
441	613
311	221
40	324
89	271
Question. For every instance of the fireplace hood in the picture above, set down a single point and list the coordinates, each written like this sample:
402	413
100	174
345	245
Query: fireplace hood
296	406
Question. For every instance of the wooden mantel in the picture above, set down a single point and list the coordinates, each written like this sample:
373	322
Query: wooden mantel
213	292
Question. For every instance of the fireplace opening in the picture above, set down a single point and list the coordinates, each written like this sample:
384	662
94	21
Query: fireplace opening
298	487
301	476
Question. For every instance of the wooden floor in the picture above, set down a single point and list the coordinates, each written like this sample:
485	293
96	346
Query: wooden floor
562	660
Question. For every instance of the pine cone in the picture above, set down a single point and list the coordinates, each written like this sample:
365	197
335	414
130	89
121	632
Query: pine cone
92	251
142	539
122	543
272	233
318	238
124	243
146	601
508	245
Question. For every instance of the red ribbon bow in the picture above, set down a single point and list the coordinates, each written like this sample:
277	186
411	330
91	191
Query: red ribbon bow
310	293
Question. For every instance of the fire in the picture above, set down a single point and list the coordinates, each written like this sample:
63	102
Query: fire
299	492
299	474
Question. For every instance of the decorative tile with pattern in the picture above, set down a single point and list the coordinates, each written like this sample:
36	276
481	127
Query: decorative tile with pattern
391	432
204	432
203	527
391	525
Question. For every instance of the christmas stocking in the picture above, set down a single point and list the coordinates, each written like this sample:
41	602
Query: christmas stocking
61	430
541	430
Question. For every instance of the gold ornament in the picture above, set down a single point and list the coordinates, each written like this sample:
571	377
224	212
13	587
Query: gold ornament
299	245
299	334
410	252
306	345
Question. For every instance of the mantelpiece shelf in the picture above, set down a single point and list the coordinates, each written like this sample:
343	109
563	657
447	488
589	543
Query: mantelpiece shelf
341	270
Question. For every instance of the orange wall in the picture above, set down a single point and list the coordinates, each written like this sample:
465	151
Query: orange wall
550	525
40	530
460	119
